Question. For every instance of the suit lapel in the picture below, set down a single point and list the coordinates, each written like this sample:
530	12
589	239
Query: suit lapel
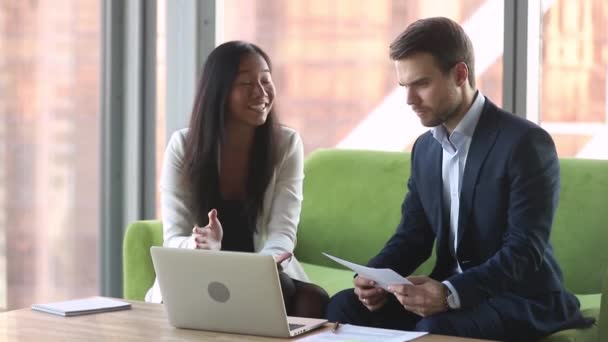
482	142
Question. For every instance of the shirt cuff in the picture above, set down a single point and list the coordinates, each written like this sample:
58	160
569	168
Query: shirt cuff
454	293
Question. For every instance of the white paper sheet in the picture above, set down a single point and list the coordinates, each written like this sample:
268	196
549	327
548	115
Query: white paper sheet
355	333
382	276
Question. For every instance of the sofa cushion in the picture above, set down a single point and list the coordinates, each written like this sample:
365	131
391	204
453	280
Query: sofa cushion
580	335
590	302
574	335
590	307
333	280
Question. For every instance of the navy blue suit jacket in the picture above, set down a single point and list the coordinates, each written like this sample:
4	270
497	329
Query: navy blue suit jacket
508	198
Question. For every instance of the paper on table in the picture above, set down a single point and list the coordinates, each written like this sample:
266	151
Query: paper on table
382	276
348	332
82	306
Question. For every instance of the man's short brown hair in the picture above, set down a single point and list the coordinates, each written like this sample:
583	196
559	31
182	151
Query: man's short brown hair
441	37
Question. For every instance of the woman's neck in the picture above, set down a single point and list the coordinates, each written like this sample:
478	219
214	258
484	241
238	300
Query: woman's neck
238	138
235	159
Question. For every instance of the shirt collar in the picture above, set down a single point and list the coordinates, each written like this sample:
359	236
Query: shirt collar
466	126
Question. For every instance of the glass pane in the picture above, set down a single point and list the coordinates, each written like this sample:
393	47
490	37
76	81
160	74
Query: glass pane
335	82
574	69
49	150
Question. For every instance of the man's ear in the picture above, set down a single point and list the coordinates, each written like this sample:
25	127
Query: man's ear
461	71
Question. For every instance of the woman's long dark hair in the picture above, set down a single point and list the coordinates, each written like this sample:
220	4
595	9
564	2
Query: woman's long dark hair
206	134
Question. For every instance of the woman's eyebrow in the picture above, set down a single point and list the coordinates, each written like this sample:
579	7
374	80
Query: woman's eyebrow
241	71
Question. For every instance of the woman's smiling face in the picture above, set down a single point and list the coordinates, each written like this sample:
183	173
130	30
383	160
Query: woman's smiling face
252	94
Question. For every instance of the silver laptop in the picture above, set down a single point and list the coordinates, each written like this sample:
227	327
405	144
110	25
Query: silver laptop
225	291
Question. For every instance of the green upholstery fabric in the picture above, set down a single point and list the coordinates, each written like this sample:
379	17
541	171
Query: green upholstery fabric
352	205
589	307
138	271
354	198
576	335
332	279
580	228
603	328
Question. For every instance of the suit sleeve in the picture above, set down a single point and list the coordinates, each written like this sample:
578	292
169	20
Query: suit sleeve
533	177
412	242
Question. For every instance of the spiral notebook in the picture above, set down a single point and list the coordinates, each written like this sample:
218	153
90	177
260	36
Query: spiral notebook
83	306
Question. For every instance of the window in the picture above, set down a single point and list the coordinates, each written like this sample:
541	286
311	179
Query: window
573	82
335	82
49	150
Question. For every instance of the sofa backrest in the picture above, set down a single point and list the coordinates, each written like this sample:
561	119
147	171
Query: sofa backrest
352	203
580	228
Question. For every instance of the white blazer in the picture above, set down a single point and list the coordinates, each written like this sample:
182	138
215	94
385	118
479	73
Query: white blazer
277	224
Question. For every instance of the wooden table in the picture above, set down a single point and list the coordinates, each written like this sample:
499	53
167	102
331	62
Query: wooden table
144	322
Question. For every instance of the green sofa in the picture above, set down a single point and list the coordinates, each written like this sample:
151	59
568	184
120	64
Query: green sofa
352	205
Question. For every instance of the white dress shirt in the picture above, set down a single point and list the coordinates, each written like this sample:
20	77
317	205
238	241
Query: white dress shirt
455	150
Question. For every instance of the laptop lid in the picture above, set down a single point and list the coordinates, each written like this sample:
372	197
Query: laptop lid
224	291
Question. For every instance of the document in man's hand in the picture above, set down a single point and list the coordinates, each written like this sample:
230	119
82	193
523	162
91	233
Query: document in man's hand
82	306
382	276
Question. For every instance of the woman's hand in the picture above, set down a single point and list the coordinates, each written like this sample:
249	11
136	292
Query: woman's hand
279	258
210	236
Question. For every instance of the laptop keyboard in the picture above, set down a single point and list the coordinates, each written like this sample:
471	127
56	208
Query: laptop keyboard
295	326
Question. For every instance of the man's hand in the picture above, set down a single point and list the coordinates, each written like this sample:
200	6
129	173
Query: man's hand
373	298
425	298
210	236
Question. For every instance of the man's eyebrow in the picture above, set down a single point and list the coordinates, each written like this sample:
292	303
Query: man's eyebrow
414	82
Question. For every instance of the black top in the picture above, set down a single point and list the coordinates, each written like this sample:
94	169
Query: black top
238	236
